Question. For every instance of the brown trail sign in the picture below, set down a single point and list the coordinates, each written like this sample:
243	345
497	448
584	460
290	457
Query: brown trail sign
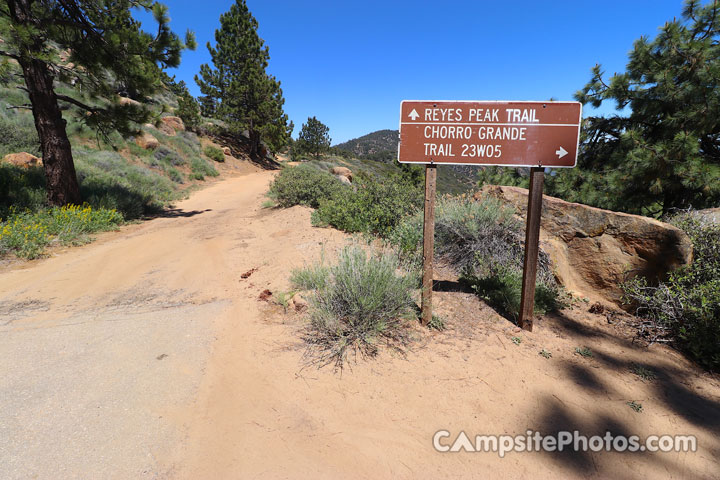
510	134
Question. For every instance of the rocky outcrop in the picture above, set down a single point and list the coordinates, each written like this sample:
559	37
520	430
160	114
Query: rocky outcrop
594	250
22	159
709	214
147	141
171	125
343	173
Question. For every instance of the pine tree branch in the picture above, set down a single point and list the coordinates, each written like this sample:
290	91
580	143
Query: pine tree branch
26	106
78	103
8	54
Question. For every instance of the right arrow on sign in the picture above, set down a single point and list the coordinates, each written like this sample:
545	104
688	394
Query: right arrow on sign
561	152
413	115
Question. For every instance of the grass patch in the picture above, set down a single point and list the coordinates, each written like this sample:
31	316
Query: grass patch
644	373
311	277
18	133
436	323
26	234
201	168
108	181
635	406
584	352
501	287
545	353
214	153
358	304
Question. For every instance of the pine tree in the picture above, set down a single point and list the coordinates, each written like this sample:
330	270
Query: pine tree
665	154
109	53
314	137
188	108
237	88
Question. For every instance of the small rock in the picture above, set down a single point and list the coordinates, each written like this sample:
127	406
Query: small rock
248	273
265	295
342	172
299	303
22	159
147	141
596	307
226	151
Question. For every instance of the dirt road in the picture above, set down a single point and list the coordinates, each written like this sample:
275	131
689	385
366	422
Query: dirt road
147	355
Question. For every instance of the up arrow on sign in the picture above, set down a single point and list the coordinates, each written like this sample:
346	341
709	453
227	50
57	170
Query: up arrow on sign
413	115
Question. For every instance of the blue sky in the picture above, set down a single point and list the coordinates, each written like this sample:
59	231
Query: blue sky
350	63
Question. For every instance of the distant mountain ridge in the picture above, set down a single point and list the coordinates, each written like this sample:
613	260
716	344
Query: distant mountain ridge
382	143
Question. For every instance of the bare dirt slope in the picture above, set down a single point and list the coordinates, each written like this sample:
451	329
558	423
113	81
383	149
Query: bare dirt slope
147	355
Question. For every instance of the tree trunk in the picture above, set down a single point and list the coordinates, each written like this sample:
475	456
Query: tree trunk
254	143
61	180
60	176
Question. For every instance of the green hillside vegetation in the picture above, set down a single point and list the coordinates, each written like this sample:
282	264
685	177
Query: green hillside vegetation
380	145
114	173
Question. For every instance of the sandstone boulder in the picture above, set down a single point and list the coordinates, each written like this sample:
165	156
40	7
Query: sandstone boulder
147	141
128	101
594	250
343	179
172	125
22	159
226	151
342	172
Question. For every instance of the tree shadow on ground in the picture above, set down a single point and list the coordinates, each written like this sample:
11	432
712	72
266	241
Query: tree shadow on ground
177	213
669	387
556	417
451	286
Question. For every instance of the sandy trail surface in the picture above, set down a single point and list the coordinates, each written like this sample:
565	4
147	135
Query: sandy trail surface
147	355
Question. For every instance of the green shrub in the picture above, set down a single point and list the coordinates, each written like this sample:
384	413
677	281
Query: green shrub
18	134
108	181
686	307
168	156
28	233
201	168
21	188
358	303
483	241
501	288
374	206
175	175
214	153
304	185
312	277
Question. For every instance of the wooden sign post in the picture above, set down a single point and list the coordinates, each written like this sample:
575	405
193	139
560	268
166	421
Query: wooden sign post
428	242
532	238
509	134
